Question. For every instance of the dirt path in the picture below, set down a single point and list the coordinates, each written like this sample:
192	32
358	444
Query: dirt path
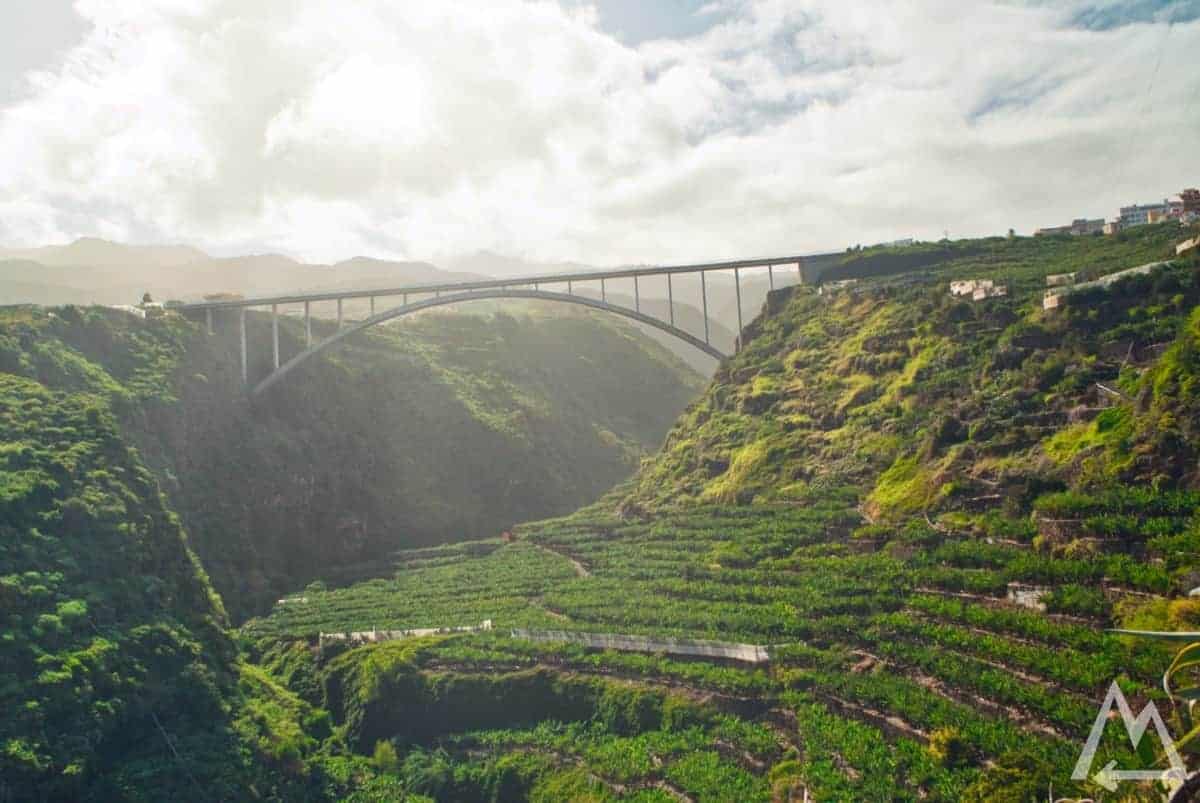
580	569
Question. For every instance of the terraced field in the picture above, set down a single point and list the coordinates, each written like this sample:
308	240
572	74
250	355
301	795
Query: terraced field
892	676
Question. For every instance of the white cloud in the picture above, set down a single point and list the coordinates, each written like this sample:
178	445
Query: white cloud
421	130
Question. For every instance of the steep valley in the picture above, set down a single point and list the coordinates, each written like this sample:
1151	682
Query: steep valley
927	510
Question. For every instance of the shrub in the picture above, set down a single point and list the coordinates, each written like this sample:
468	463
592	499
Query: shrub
385	758
949	748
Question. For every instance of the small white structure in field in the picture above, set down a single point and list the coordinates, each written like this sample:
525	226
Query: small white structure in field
990	291
373	636
1060	279
978	289
1028	596
1103	282
748	653
833	287
965	287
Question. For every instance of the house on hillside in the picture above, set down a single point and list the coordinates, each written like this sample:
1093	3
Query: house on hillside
977	289
991	291
1079	227
1060	279
1190	199
966	287
1139	214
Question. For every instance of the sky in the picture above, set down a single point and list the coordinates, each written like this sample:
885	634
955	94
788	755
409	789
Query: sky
608	132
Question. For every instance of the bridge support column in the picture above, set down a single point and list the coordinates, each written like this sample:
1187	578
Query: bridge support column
637	295
339	325
704	304
404	299
603	292
570	287
242	328
800	272
208	319
275	335
372	306
670	300
307	325
737	286
771	275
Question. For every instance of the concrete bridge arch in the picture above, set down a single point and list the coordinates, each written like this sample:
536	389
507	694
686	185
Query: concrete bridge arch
477	295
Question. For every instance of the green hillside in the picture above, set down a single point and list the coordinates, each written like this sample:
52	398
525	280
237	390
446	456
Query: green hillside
120	681
444	428
932	400
930	508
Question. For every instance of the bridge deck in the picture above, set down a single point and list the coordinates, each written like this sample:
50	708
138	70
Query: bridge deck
486	284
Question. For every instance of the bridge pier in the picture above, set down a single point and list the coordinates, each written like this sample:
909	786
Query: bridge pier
208	319
737	286
771	275
670	300
603	292
307	325
704	303
372	306
275	334
339	323
800	271
637	296
245	372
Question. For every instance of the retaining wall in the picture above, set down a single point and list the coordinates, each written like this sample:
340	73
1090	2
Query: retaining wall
372	636
748	653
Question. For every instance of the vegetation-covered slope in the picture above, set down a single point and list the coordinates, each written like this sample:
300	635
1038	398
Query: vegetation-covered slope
957	400
446	427
118	679
932	509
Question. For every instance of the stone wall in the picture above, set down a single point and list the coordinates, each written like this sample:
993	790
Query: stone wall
748	653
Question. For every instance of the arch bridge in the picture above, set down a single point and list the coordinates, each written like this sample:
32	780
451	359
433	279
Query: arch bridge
529	287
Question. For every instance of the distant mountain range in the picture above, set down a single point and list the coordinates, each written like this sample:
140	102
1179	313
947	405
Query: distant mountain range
97	271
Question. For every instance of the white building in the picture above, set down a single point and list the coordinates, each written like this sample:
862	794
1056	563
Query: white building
990	291
1139	214
978	289
966	287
